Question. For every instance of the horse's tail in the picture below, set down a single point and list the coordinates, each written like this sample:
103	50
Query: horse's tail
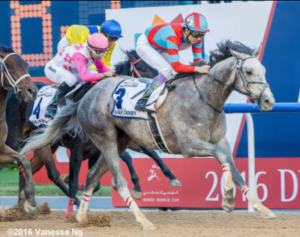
64	122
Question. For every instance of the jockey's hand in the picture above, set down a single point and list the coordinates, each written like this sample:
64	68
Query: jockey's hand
109	73
202	69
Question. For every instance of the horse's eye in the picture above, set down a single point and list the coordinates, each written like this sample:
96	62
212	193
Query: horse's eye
249	73
11	67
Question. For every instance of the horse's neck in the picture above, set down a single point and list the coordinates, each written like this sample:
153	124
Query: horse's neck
3	100
124	69
217	93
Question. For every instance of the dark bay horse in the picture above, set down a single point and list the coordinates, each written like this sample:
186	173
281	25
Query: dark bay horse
14	76
20	127
191	119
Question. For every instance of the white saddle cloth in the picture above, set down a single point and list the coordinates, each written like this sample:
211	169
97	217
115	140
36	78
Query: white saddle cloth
44	97
126	95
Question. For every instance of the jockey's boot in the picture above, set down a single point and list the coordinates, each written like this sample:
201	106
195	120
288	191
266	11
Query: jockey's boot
58	99
142	102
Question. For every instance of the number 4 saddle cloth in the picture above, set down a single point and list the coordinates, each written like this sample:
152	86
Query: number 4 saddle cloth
44	97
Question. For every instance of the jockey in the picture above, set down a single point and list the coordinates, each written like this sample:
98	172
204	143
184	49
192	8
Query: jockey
71	65
79	34
159	48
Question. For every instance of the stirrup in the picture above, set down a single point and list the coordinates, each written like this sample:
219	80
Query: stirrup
141	106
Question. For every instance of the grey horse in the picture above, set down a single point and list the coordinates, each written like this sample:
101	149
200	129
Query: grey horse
191	119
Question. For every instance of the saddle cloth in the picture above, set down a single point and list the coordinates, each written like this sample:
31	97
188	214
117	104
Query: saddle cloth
129	91
44	97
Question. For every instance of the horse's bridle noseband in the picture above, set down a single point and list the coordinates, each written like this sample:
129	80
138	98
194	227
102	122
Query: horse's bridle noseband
134	71
246	84
4	72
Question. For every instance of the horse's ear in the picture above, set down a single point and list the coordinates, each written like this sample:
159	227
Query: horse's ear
129	55
257	51
237	54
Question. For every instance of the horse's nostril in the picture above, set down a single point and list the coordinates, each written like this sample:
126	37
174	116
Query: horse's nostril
267	102
29	91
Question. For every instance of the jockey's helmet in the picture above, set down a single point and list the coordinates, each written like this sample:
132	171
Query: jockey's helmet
196	23
112	29
98	43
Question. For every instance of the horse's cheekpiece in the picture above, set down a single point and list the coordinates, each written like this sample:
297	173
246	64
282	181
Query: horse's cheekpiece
129	91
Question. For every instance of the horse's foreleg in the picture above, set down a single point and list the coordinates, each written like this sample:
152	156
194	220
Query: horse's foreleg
136	192
36	163
232	174
228	200
196	148
9	155
164	168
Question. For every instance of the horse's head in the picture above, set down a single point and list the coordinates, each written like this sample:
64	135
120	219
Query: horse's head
140	68
250	79
14	75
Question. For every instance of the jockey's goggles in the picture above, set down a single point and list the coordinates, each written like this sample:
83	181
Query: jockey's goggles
197	34
99	52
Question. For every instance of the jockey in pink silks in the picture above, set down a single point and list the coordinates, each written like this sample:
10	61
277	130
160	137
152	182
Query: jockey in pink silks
71	65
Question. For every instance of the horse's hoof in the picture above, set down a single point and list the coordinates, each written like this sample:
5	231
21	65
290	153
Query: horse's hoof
268	214
228	204
148	226
68	215
136	194
29	208
81	219
22	195
175	183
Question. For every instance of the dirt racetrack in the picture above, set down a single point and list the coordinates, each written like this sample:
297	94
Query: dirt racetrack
169	224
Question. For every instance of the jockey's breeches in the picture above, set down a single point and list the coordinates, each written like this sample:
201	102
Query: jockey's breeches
59	75
156	59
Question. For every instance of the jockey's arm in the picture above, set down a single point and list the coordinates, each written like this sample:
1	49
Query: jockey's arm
197	51
101	67
80	62
172	46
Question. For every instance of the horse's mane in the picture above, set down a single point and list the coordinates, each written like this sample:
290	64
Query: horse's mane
132	54
4	49
221	53
123	66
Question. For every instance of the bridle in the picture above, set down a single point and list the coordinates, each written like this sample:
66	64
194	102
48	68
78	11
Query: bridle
241	74
4	72
238	74
134	71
